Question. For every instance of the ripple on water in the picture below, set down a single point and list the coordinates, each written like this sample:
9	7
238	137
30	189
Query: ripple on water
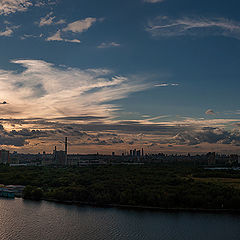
27	220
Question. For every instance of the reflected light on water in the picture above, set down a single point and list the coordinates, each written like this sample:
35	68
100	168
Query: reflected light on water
28	220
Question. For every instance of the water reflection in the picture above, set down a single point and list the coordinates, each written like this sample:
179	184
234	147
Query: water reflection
22	219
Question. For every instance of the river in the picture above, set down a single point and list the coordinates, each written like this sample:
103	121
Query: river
28	220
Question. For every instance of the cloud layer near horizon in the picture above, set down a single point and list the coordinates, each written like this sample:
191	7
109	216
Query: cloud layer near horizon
86	132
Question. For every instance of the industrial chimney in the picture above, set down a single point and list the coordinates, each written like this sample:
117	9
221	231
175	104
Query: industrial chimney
66	150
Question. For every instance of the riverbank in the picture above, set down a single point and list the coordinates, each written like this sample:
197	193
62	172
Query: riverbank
149	208
157	187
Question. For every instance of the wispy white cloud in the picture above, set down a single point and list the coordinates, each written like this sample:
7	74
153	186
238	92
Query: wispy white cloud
72	40
109	45
9	30
210	112
44	90
7	33
80	25
12	6
166	84
25	36
74	27
61	21
164	26
57	37
42	3
47	20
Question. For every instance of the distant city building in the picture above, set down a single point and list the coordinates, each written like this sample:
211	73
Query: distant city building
4	156
211	158
134	152
131	152
138	153
60	157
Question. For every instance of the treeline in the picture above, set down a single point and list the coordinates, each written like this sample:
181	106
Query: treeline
145	185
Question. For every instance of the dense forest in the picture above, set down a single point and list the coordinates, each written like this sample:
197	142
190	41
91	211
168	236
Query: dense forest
163	186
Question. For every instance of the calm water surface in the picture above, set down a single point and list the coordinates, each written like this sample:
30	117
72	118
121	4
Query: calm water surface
27	220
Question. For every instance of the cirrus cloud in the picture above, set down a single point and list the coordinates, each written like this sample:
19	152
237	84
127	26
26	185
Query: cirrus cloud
40	90
109	45
163	26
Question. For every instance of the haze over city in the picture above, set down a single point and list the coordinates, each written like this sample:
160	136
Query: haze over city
117	75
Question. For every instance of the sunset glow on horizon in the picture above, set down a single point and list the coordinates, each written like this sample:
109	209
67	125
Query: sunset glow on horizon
118	75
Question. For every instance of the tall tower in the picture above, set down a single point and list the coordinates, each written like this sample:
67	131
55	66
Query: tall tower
55	155
66	145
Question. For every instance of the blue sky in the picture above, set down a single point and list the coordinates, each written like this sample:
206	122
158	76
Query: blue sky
114	74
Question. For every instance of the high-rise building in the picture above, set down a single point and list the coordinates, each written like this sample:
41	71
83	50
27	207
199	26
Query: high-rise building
134	152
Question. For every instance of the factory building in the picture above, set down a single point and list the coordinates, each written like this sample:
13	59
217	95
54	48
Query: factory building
60	157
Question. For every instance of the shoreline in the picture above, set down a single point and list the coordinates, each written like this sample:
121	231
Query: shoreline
149	208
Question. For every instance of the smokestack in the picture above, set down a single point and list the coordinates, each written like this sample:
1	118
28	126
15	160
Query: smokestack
55	154
66	150
66	145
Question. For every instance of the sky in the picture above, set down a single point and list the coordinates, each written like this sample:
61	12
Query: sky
115	75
